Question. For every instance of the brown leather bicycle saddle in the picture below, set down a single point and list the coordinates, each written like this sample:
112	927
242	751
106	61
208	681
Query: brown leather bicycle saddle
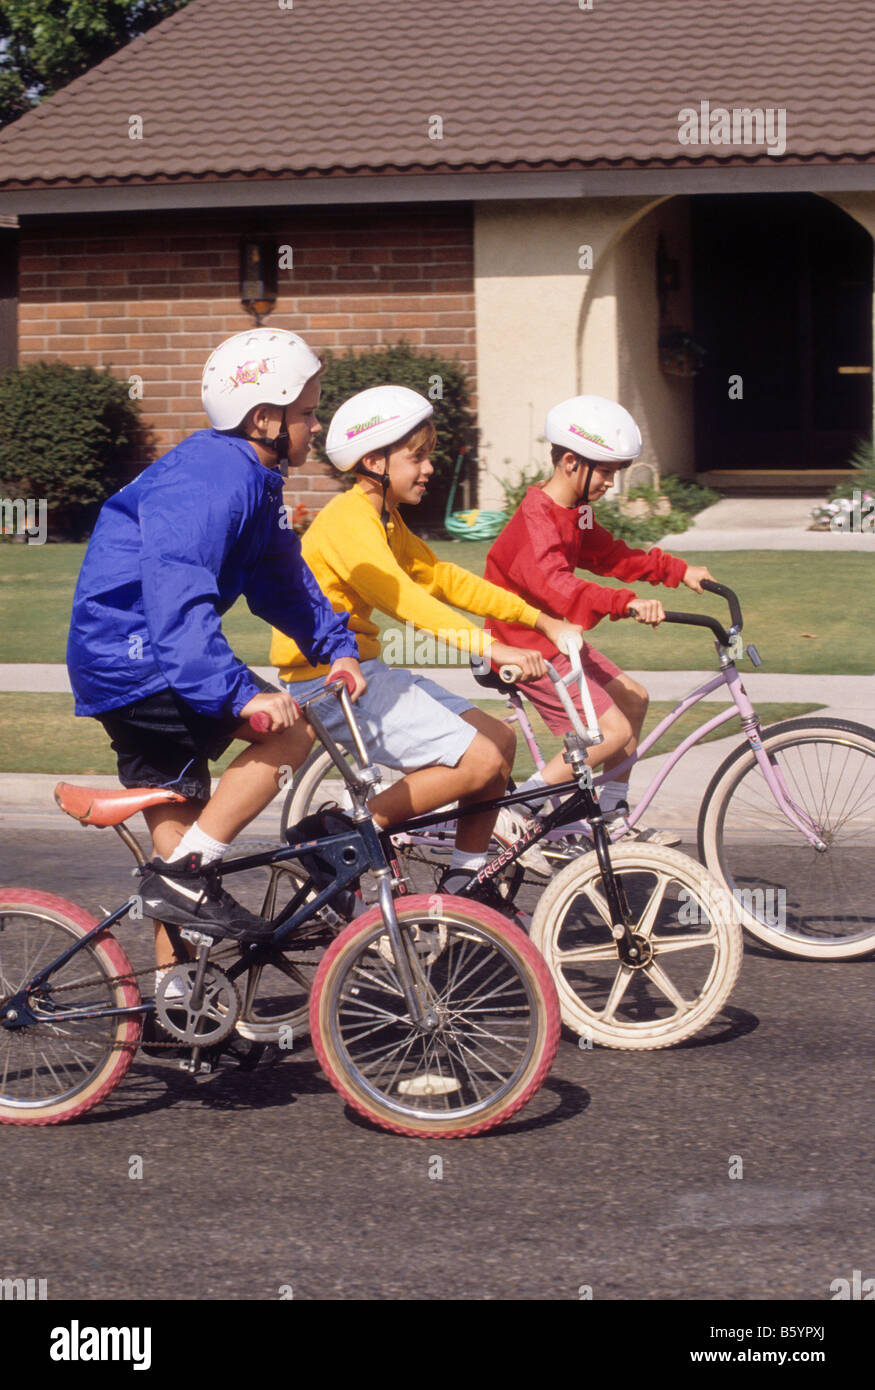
97	806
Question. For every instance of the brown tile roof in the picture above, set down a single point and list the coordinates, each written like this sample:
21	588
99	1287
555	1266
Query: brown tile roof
243	88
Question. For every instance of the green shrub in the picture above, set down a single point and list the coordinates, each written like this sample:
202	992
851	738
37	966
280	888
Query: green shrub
65	435
862	460
401	365
514	492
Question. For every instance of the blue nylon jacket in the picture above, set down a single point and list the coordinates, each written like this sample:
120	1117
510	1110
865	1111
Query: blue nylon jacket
171	553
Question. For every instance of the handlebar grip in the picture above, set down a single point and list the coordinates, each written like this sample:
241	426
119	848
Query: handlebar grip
259	722
348	679
510	674
731	598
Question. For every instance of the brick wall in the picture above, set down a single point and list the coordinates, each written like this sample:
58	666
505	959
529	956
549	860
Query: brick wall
151	296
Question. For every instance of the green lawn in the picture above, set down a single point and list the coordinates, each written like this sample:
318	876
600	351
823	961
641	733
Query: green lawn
806	611
40	733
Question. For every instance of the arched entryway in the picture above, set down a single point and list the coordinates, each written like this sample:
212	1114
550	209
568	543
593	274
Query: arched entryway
782	299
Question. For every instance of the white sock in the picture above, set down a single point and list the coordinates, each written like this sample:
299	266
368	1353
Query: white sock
610	793
194	841
472	861
535	808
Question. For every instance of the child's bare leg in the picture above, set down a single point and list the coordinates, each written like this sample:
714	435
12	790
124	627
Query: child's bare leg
619	741
252	780
245	788
480	774
167	825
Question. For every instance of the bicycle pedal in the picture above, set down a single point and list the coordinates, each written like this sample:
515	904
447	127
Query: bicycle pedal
197	938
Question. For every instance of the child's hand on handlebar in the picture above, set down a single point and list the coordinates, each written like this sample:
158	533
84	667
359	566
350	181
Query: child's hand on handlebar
279	707
694	575
349	665
530	663
646	610
558	632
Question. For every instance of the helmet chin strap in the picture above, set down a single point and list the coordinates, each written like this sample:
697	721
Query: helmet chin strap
279	445
382	479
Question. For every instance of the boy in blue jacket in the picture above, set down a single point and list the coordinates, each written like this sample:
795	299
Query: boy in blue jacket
171	553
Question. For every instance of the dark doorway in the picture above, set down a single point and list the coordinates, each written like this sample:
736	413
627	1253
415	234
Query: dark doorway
783	299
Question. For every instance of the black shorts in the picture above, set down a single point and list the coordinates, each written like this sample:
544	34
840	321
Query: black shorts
162	742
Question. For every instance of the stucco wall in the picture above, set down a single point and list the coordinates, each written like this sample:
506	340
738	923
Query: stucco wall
530	295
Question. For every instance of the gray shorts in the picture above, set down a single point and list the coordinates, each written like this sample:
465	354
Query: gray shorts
407	721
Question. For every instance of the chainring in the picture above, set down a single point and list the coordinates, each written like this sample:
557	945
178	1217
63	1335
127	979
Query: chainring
207	1025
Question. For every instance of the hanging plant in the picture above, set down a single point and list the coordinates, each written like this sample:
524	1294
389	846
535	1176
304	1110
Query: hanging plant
680	354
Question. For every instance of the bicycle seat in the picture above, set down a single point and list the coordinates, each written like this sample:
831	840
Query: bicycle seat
97	806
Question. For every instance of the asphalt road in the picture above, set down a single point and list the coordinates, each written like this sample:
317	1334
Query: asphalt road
615	1177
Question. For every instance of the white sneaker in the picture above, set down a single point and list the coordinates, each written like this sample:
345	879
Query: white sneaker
511	826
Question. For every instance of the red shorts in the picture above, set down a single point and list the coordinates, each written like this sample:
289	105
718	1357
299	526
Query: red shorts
599	672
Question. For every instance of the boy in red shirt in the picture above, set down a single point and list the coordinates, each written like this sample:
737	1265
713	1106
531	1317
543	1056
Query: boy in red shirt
552	534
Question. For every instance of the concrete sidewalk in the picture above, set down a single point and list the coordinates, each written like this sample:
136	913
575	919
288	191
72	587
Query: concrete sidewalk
763	523
851	692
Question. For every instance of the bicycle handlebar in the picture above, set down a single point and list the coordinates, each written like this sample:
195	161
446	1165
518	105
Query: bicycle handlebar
703	620
731	598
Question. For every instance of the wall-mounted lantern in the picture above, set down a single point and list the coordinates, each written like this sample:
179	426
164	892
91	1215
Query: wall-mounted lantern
258	276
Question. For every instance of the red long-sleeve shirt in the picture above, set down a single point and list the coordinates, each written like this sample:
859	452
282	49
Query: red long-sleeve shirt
537	553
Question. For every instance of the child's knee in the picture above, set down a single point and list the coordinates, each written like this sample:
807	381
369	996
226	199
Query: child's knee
488	759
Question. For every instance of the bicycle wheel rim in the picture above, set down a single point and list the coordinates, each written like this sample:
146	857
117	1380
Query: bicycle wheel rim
691	950
410	1064
803	897
48	1048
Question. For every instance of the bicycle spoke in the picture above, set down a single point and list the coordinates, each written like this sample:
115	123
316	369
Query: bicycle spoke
647	919
618	989
655	973
666	944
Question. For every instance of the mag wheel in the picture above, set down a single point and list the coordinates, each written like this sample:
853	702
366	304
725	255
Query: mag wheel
491	1034
52	1072
691	948
815	903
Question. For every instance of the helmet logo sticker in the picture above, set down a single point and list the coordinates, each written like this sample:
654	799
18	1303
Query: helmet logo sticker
593	438
250	373
355	430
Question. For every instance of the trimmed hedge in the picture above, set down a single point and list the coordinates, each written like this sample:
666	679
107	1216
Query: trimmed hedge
65	435
401	365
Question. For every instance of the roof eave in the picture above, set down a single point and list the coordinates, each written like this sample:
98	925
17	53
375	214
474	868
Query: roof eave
468	183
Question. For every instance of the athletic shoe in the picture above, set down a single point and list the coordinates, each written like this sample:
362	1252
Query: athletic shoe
188	893
581	843
511	826
453	881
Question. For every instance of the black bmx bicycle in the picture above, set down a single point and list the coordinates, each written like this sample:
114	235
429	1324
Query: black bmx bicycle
432	1015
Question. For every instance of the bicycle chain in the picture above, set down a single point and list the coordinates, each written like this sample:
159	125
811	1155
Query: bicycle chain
34	1030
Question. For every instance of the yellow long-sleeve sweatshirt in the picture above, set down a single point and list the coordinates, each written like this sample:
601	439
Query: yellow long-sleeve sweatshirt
359	566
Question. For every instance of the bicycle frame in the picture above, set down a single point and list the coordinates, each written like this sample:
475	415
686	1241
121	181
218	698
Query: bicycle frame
350	854
750	720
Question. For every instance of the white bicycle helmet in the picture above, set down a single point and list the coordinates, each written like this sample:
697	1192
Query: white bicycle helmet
596	429
373	420
266	366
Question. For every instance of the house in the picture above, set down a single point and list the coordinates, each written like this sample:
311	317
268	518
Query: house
566	196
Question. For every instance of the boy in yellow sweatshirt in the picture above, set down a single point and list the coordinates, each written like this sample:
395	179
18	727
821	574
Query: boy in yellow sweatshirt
364	557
